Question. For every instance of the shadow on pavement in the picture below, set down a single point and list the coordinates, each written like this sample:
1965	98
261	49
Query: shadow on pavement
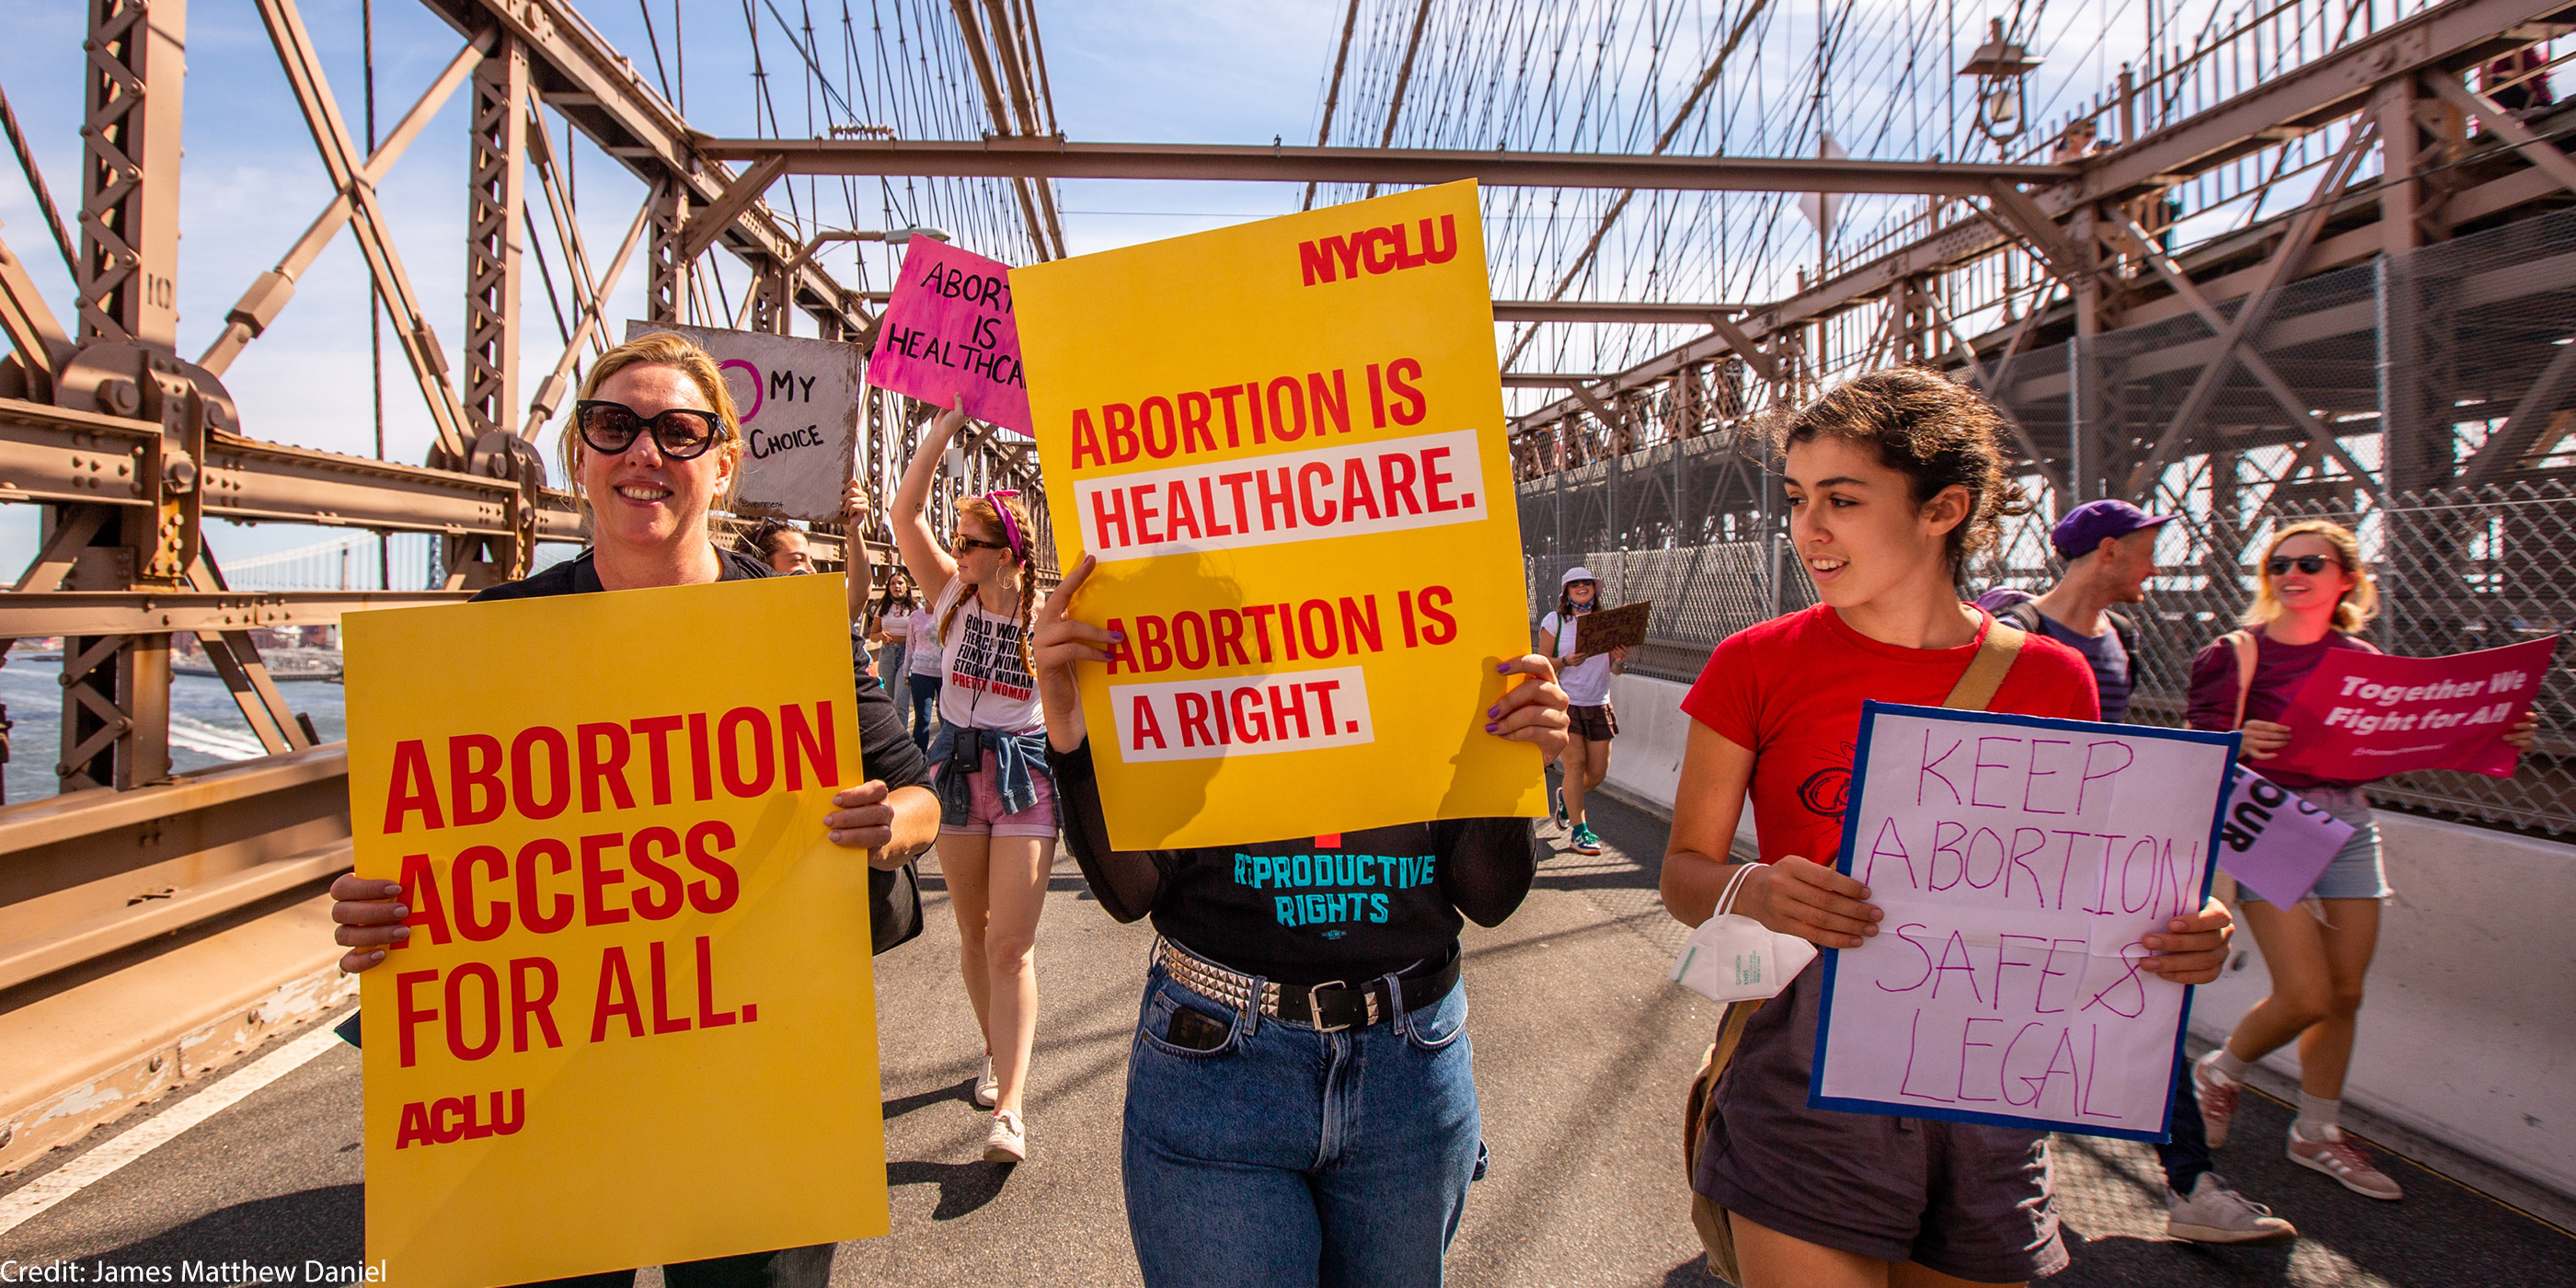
328	1225
961	1092
963	1187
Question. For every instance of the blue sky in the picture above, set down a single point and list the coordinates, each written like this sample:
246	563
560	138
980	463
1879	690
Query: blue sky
1139	70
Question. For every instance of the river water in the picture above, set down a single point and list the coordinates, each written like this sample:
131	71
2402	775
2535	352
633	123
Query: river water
206	728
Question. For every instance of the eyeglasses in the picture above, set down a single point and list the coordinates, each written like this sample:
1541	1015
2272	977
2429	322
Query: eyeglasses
610	428
2279	565
970	543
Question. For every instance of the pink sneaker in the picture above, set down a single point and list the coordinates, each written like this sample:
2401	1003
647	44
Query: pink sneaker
2344	1161
2217	1097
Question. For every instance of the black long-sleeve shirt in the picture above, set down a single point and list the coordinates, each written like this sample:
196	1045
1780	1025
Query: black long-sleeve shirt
1302	911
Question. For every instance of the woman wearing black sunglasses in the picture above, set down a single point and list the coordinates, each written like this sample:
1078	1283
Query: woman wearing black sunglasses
652	444
2314	596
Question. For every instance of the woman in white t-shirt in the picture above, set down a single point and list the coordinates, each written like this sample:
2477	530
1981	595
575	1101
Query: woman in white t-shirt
1585	677
997	812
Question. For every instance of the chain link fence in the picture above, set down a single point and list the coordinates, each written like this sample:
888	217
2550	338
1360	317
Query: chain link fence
2426	400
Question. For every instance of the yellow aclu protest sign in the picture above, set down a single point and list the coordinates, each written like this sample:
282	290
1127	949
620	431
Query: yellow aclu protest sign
634	1023
1284	442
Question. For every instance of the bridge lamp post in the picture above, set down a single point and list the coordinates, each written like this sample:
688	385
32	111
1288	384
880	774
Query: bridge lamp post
2000	66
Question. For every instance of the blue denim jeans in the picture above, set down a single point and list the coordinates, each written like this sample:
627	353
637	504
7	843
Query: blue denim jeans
925	708
2186	1156
1288	1157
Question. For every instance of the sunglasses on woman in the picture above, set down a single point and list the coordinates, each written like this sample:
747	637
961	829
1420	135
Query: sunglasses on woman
2279	565
969	543
683	433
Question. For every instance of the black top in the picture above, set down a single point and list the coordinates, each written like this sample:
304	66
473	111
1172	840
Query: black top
886	751
1385	899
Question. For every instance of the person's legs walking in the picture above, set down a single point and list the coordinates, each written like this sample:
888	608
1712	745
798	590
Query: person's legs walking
1216	1149
2186	1155
1578	778
964	863
1401	1136
2351	936
2198	1205
1016	886
925	708
2350	939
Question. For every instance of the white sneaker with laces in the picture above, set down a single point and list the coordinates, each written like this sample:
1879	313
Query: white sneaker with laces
1007	1142
988	1089
2217	1214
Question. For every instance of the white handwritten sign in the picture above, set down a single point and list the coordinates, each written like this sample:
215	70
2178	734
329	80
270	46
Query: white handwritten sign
2019	861
799	402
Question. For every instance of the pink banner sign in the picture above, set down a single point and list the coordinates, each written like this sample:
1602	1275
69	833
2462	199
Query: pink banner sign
2274	842
2367	715
949	334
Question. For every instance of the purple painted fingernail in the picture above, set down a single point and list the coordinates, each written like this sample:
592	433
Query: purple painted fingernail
1495	711
1120	636
1490	726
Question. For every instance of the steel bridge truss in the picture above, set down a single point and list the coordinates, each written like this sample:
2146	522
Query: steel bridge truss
130	448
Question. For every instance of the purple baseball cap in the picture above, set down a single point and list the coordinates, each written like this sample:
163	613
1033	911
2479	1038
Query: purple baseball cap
2081	532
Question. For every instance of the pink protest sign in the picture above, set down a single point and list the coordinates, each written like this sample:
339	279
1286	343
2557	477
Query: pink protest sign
949	333
2274	842
2367	715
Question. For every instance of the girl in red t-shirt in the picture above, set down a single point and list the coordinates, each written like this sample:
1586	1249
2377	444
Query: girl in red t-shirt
1893	479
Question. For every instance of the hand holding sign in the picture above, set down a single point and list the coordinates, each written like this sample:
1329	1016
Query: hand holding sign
950	336
2040	890
2360	716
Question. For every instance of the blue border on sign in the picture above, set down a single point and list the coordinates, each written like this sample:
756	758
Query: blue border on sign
1869	712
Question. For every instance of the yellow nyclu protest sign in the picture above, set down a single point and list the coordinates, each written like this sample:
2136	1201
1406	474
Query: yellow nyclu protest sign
634	1023
1284	441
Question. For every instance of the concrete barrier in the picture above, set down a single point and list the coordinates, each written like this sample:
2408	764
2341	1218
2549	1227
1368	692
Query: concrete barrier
2469	1031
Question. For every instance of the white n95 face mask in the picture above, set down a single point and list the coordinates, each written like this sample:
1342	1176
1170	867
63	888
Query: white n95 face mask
1733	958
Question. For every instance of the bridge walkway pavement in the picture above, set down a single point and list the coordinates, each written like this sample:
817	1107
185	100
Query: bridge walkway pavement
1582	1051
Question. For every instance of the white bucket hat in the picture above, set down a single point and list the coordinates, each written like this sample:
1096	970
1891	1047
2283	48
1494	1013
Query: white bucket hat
1577	573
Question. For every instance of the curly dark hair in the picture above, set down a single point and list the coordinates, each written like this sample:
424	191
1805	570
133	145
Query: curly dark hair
1932	430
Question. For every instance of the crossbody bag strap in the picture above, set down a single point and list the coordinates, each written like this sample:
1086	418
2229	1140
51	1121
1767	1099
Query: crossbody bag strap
2241	643
1986	671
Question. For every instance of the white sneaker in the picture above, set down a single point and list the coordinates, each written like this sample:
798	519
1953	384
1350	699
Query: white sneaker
1007	1142
2216	1214
988	1089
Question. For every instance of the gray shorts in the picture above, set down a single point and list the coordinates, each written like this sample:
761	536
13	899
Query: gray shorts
1965	1199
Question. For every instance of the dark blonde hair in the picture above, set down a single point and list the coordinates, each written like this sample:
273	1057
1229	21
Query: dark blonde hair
1932	430
659	349
983	511
2352	612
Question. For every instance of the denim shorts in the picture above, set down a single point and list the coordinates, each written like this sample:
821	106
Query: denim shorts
2355	872
1288	1157
985	816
